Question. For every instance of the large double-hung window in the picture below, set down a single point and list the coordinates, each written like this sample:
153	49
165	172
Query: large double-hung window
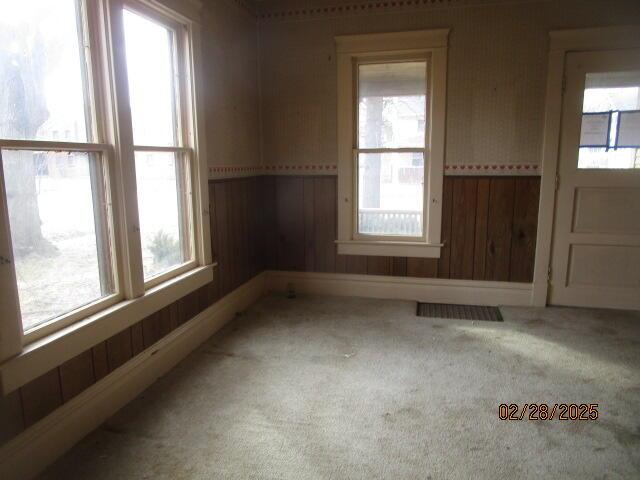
101	187
391	124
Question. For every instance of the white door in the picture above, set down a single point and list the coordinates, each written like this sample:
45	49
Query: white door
596	243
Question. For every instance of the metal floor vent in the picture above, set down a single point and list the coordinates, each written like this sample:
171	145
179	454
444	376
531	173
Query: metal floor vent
459	312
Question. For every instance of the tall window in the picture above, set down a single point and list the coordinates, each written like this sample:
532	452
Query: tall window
161	164
392	109
69	70
391	115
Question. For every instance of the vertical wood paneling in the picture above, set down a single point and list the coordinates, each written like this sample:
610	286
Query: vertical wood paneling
214	290
499	228
236	220
213	231
356	264
463	224
379	265
325	220
233	262
76	375
255	237
270	229
445	253
151	329
100	361
164	321
41	396
222	237
477	216
341	262
482	217
11	422
525	221
422	267
203	299
241	232
308	200
290	221
119	349
214	234
137	338
399	267
187	307
174	315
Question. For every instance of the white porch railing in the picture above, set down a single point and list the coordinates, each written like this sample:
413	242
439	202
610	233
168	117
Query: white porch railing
373	221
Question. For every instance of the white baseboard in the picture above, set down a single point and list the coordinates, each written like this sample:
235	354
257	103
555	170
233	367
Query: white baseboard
435	290
30	452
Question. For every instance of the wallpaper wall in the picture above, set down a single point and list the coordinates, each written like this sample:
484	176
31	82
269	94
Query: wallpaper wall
496	75
230	71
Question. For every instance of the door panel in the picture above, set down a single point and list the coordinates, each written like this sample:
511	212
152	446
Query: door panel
596	243
593	207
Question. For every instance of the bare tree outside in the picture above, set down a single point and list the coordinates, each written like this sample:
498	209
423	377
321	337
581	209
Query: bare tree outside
22	112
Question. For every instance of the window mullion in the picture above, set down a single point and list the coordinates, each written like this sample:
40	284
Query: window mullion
125	174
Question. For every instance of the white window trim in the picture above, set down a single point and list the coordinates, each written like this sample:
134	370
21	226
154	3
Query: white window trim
28	356
350	48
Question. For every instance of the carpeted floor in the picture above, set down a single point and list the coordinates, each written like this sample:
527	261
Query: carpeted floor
337	388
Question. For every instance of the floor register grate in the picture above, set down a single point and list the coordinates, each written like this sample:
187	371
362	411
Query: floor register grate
459	312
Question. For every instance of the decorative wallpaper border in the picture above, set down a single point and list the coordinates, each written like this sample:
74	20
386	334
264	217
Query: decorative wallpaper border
221	172
266	14
346	8
492	169
216	173
301	169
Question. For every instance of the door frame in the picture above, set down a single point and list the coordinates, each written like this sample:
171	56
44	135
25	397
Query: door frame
562	42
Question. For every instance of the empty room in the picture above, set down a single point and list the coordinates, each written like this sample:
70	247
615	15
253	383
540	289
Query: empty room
319	239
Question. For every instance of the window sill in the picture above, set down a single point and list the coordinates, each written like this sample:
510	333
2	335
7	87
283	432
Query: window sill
53	350
389	249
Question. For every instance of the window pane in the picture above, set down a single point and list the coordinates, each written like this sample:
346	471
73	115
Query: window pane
390	193
392	105
42	75
58	230
164	221
151	88
608	94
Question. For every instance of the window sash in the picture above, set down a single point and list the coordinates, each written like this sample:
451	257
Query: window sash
357	235
108	237
184	186
183	113
179	48
377	59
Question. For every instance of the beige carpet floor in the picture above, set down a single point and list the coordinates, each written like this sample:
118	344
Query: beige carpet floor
337	388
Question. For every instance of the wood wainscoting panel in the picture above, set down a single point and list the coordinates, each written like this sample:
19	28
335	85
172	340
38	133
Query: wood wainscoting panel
480	236
463	226
488	230
499	229
525	227
41	396
76	375
290	223
119	349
